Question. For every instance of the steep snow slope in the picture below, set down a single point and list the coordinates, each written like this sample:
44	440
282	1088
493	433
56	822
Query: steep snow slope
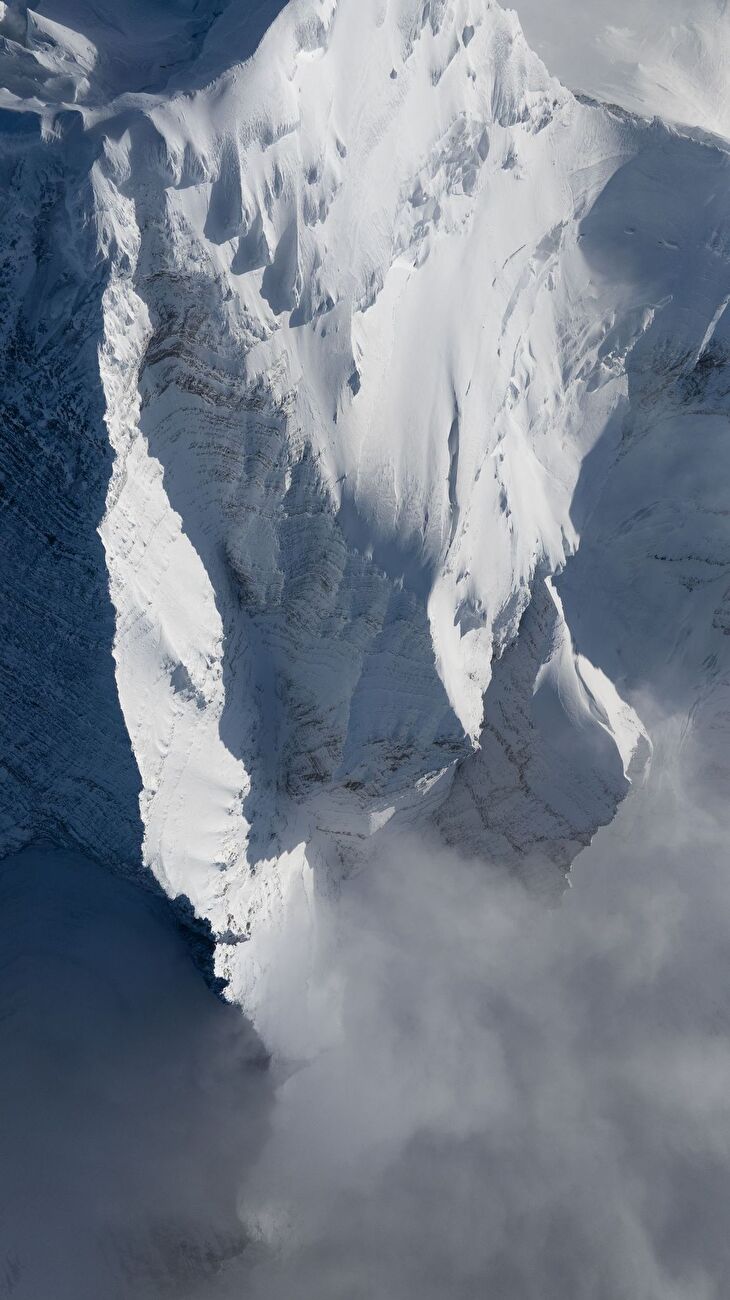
406	357
342	472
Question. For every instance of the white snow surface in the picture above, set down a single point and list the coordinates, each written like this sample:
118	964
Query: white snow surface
657	57
413	366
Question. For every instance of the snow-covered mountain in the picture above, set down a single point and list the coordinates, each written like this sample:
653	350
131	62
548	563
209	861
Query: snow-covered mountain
364	444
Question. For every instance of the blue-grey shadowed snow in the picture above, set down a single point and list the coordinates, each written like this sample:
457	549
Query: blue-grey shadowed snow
139	46
404	562
132	1099
654	527
68	771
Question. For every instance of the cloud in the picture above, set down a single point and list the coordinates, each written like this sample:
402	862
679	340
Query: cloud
502	1100
516	1102
665	57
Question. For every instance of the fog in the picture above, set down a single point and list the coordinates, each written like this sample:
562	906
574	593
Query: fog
517	1102
501	1099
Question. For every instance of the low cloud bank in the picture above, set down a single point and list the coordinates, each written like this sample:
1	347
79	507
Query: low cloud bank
503	1100
514	1102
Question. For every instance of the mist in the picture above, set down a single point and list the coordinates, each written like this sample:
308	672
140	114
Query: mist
515	1101
491	1097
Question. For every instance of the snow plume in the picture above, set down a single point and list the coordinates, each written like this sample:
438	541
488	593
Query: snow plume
517	1102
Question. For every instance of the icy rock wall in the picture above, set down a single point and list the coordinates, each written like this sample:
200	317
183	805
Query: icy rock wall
67	769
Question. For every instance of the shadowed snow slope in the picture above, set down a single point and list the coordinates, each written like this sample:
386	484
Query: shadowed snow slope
413	368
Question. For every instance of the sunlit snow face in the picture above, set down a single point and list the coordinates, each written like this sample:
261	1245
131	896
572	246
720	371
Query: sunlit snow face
665	57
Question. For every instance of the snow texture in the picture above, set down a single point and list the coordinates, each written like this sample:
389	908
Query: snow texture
365	397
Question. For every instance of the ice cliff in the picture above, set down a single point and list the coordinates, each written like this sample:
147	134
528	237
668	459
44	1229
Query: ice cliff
364	440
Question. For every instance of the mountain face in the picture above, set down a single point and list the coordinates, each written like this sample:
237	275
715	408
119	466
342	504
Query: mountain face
668	58
363	445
